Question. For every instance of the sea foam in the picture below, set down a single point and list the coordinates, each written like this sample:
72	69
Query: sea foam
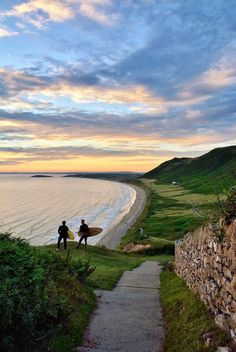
33	208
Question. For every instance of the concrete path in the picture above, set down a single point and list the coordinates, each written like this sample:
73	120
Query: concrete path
129	317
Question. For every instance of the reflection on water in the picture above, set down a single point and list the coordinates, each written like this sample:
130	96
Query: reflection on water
33	208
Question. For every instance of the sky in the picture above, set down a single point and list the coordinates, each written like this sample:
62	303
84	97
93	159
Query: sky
108	85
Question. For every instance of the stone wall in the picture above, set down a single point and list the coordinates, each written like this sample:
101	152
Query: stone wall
205	259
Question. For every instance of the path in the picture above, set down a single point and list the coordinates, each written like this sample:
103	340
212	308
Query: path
128	318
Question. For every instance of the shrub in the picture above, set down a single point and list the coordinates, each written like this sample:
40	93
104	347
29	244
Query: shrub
38	292
230	205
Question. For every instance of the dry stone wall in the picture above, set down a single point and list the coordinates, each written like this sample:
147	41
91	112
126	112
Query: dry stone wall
206	260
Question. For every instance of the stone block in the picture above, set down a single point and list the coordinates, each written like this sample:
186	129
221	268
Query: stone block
221	320
223	349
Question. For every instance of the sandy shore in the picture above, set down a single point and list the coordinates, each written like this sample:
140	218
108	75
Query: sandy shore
112	238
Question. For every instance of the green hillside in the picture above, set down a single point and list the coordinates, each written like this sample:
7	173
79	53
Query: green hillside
214	169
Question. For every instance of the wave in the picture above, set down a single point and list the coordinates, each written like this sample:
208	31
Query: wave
33	208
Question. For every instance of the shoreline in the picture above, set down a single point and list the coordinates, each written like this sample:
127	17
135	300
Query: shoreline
124	216
112	239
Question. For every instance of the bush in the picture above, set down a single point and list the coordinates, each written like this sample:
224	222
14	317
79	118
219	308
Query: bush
230	205
38	292
158	250
160	246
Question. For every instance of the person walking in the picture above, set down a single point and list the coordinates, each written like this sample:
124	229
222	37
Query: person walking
83	231
62	230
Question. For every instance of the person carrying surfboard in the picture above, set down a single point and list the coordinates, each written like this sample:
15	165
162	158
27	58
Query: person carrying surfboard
83	232
62	230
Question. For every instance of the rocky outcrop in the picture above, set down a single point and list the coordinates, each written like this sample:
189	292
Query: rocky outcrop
205	259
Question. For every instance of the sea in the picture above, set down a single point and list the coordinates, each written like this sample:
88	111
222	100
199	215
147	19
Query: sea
33	207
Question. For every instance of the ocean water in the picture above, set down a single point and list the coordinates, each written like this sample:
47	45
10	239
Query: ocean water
33	208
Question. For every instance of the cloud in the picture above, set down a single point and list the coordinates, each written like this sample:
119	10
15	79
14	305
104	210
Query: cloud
109	95
67	152
29	154
82	88
15	81
184	40
191	127
208	100
162	78
85	88
210	82
39	13
92	10
4	32
15	155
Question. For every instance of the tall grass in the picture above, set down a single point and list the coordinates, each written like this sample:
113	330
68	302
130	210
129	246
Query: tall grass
187	319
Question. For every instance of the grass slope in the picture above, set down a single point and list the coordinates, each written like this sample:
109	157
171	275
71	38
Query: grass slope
109	265
187	318
202	174
169	214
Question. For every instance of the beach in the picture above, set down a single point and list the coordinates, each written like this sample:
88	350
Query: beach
33	208
112	239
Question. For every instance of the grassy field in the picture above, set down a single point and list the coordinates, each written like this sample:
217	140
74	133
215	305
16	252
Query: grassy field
187	318
109	265
171	212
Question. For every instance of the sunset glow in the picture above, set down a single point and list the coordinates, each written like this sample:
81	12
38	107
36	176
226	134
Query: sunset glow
105	85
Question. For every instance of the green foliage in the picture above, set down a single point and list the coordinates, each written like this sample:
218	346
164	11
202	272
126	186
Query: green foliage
160	246
38	294
73	334
229	205
187	318
201	174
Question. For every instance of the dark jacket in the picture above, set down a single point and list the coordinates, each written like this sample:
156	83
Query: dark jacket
84	229
63	230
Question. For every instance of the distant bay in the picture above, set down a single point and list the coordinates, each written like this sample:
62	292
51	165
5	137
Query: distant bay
33	207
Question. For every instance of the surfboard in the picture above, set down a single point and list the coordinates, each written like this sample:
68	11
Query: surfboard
70	235
93	231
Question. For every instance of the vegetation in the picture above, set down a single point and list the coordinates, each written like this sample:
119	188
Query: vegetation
189	324
228	206
40	294
200	193
109	264
46	296
215	169
171	212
